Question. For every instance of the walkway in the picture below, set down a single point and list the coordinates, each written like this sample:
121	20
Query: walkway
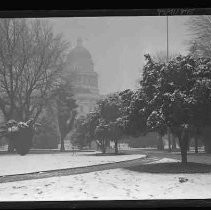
78	170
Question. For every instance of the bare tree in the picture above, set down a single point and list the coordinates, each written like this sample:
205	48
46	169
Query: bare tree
200	29
31	60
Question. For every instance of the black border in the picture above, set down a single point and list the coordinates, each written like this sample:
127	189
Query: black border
89	5
104	12
196	8
103	204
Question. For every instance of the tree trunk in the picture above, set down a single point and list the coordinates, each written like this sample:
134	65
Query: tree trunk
98	147
196	144
116	146
62	148
103	146
183	141
160	143
169	139
12	115
174	145
11	147
188	147
184	154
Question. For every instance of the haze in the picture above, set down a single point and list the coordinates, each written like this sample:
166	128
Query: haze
118	44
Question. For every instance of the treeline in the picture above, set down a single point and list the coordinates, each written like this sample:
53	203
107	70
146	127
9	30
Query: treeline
173	98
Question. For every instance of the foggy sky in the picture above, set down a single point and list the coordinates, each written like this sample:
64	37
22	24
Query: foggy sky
118	44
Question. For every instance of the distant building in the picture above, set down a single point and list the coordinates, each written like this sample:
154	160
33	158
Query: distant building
79	68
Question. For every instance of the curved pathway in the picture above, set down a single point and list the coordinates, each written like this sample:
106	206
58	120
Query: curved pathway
78	170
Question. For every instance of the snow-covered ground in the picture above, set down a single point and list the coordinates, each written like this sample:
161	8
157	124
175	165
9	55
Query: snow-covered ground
114	184
16	164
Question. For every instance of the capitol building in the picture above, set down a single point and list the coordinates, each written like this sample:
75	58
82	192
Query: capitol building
79	68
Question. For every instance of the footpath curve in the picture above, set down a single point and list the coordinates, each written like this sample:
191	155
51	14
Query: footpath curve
77	170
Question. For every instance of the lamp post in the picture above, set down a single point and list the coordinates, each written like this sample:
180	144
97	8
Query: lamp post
167	59
167	36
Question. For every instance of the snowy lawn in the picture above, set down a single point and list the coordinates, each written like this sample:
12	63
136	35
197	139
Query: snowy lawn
114	184
16	164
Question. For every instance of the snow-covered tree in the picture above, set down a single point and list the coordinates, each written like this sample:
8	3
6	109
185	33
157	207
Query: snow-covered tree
102	135
111	113
133	112
80	132
176	92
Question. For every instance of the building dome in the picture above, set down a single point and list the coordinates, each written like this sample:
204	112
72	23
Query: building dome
79	58
79	70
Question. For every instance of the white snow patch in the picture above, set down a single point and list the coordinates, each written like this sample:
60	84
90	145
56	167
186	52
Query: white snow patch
167	160
114	184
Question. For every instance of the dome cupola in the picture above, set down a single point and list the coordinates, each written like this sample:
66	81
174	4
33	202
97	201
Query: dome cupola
79	58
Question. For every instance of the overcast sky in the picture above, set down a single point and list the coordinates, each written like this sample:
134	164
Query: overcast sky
118	44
